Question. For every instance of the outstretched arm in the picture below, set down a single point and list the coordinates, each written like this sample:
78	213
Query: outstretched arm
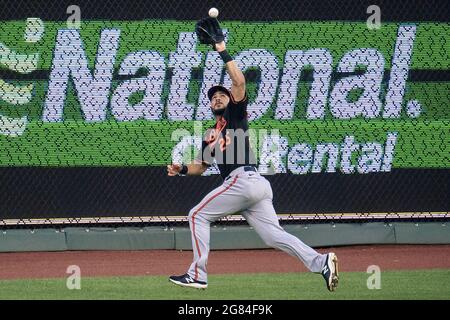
236	75
209	32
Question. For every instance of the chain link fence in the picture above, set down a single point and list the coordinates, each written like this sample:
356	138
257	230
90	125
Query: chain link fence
348	108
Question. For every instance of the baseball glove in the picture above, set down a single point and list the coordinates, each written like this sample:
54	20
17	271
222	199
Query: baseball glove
208	31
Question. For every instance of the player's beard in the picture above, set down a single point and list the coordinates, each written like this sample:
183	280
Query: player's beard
218	112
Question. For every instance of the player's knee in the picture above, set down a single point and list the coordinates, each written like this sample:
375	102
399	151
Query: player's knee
196	214
192	212
273	241
270	242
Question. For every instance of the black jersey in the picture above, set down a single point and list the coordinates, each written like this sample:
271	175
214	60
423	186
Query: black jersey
228	140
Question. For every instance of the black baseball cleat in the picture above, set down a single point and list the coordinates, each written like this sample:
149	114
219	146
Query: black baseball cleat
186	280
330	271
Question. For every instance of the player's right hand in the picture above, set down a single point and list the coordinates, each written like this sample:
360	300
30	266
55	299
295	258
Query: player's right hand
173	169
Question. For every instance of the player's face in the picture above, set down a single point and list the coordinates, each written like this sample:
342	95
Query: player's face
219	100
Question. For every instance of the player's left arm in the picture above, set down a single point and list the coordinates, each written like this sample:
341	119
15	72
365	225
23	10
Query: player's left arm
236	75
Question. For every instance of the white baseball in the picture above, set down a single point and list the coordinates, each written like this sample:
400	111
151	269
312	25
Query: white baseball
213	12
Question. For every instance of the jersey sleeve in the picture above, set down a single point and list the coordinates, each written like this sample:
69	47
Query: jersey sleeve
238	109
204	155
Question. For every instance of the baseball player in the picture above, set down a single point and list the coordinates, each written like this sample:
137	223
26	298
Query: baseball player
244	190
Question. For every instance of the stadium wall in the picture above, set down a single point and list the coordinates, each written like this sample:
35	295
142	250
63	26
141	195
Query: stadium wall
222	238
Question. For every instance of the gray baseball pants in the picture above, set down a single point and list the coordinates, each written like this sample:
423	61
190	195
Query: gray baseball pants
250	194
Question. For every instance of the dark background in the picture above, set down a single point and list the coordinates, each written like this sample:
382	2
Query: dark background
33	192
262	10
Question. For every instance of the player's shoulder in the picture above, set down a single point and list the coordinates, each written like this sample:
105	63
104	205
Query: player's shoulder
239	102
238	109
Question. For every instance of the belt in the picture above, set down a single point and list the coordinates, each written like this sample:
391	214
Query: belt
250	168
240	170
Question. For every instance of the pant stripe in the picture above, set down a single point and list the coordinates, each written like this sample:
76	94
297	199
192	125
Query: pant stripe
200	208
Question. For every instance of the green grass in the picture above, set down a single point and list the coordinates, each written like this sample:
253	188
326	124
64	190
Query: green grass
423	284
